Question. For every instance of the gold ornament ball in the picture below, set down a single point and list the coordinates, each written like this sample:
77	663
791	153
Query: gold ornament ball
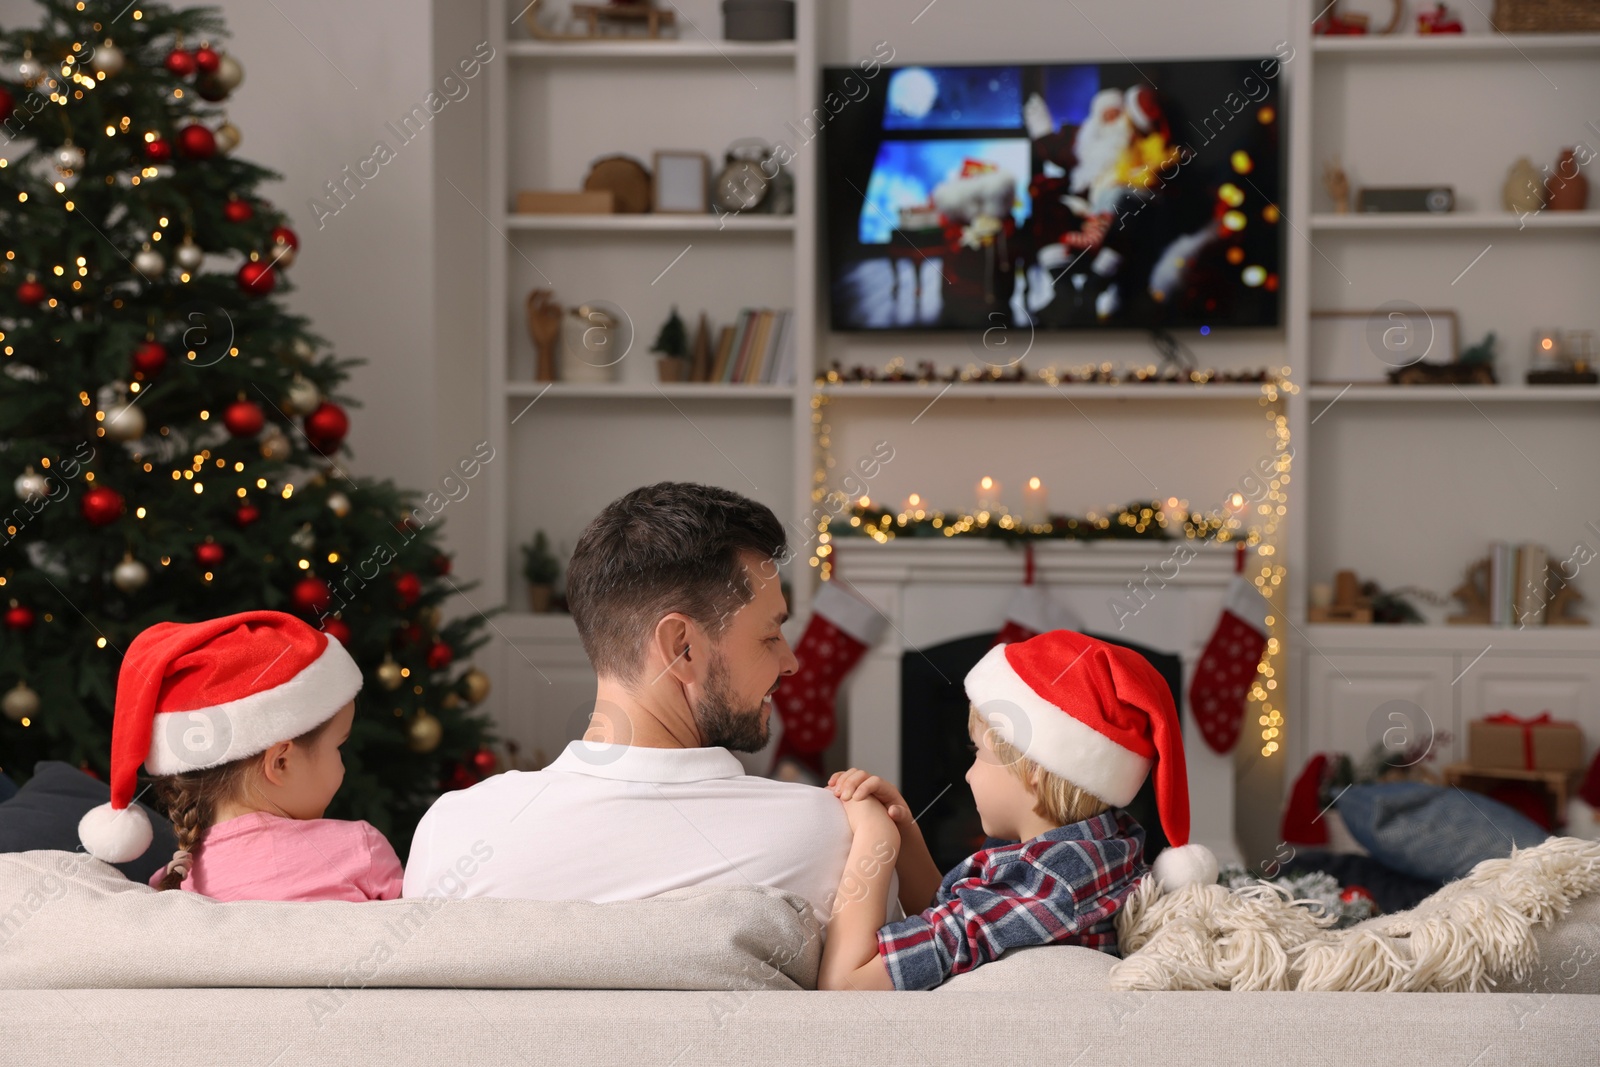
124	422
228	137
388	673
425	732
302	397
339	504
477	685
451	701
275	446
20	702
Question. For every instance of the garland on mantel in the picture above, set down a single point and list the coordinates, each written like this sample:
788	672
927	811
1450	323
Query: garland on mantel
1138	521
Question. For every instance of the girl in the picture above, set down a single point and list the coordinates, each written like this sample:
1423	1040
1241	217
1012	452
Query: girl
240	720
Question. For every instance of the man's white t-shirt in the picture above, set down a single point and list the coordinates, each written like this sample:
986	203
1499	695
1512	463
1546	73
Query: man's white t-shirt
616	822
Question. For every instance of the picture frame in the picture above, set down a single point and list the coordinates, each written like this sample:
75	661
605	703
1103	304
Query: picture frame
1342	353
682	183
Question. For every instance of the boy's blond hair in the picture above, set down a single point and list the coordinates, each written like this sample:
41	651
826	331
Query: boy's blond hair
1055	798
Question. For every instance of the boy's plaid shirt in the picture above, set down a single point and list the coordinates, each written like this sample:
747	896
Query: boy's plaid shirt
1062	887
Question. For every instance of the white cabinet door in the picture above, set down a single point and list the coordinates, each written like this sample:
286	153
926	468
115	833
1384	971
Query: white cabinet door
543	687
1567	687
1357	701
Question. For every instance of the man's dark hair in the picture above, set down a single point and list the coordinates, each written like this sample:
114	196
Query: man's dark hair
672	546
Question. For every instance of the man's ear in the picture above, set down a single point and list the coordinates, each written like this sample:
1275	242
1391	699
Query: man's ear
678	644
275	762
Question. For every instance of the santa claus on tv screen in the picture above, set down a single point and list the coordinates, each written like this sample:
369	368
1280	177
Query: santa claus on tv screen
1126	195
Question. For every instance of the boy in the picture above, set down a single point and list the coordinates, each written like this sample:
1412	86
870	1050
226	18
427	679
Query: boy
1064	728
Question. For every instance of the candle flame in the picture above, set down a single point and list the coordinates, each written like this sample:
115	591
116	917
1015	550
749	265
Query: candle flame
1034	483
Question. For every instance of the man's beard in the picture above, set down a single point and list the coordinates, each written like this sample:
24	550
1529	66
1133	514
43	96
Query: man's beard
723	724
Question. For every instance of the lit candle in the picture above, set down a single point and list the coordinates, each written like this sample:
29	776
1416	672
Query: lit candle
914	506
989	495
1236	502
1035	503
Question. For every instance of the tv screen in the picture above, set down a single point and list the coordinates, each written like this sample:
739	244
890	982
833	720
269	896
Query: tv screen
1058	196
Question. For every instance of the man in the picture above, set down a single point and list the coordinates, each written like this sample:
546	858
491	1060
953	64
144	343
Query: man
674	588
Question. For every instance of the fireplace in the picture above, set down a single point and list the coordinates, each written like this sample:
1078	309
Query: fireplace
942	593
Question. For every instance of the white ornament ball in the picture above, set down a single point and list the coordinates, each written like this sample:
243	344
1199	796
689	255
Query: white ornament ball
29	70
339	504
31	485
124	422
148	261
305	539
229	73
130	575
20	703
275	446
302	397
228	137
189	255
108	60
69	157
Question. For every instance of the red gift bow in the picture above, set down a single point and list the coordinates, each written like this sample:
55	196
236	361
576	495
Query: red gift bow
1505	718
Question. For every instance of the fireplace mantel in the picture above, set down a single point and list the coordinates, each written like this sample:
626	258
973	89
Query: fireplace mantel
934	591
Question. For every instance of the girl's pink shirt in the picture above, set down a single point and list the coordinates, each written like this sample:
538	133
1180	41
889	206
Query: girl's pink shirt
268	857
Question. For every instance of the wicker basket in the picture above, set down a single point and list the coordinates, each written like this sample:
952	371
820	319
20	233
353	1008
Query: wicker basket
1546	16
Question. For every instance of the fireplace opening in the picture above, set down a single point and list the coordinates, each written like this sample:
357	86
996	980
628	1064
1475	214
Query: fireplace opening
933	746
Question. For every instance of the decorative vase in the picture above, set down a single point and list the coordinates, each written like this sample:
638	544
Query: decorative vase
1567	188
539	598
593	354
1523	192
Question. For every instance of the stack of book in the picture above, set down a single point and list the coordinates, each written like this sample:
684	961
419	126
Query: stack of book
757	349
1518	592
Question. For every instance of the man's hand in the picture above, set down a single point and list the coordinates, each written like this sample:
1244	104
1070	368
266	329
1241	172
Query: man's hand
855	783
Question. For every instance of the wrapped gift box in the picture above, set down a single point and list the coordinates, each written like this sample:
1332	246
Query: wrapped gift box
1539	743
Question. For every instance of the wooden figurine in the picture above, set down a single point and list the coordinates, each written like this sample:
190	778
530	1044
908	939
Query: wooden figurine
1473	593
544	326
1349	605
700	353
1337	182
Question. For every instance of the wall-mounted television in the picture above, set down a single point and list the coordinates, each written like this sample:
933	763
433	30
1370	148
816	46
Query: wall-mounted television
1123	195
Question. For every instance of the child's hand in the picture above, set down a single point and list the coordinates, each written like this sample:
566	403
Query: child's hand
854	783
866	814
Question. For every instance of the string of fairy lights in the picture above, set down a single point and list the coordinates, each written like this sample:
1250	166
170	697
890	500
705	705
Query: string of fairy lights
1254	521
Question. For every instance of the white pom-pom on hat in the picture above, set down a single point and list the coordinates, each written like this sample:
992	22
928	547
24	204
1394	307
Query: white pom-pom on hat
1184	866
115	835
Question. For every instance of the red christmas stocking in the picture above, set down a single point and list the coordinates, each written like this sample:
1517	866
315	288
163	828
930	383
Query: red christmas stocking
1032	611
1228	665
1302	823
841	629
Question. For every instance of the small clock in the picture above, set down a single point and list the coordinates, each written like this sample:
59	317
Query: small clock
743	183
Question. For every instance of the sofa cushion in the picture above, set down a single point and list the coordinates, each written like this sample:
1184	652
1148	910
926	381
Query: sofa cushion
69	921
1069	968
1433	832
44	814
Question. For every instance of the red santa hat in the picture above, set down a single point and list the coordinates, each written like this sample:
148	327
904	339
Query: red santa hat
198	695
1144	108
1100	716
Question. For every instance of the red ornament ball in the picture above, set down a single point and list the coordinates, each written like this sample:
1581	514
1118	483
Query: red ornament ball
409	588
326	426
209	554
19	617
440	656
149	358
485	762
257	278
207	60
246	514
336	629
460	778
101	506
282	235
31	292
7	104
1352	893
409	635
244	418
158	150
180	63
236	210
311	595
441	564
197	142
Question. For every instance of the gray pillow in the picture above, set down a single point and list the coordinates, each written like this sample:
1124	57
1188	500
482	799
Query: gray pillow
1431	831
1066	968
45	812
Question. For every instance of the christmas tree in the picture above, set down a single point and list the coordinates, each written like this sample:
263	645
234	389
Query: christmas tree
170	435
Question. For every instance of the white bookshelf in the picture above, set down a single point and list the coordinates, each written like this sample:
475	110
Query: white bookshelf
1407	485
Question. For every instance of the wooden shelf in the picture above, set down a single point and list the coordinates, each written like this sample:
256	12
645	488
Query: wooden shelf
697	48
1410	46
1075	391
1449	394
632	391
1466	220
652	223
1408	639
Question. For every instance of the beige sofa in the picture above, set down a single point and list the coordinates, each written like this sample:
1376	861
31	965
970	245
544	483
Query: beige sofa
100	970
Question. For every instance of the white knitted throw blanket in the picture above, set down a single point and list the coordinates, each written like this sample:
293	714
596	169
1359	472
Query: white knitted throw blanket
1464	938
